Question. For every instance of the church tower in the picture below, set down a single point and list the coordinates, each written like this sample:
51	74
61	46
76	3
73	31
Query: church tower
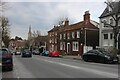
29	33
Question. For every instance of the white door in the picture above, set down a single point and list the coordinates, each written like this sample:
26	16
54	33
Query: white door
68	47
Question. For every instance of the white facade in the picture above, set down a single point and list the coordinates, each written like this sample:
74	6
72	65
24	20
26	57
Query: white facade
106	33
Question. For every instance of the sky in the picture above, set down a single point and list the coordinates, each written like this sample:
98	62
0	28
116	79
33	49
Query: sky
42	15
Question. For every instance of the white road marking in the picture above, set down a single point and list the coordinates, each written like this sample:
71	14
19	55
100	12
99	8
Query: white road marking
98	72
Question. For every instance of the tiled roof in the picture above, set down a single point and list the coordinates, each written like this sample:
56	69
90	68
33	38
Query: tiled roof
79	25
54	29
106	11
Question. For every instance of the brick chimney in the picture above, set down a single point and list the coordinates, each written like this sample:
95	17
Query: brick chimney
66	22
87	16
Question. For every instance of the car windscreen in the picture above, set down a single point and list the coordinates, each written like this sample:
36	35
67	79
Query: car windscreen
103	51
3	51
93	51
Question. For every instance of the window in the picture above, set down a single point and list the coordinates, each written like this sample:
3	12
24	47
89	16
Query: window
50	34
73	34
105	36
111	36
68	35
78	34
75	46
60	36
55	40
119	22
50	40
64	36
56	33
104	22
61	46
64	45
111	21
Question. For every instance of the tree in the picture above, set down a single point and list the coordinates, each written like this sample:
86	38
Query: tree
4	25
5	31
115	14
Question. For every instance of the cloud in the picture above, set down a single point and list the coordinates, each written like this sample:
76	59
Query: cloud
54	0
43	15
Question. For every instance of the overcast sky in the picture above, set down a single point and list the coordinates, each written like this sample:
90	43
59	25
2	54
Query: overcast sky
43	14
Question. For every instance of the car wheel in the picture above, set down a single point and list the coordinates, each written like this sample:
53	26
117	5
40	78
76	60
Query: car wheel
10	69
85	59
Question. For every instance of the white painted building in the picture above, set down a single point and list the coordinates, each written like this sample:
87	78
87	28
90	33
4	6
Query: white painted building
106	39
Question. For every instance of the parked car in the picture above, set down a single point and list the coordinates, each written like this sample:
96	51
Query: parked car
26	53
17	53
54	54
36	52
99	55
45	53
6	59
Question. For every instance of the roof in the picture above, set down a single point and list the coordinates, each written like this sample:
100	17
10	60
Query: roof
106	12
79	25
54	29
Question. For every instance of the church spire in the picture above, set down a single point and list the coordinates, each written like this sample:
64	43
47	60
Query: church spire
29	33
30	29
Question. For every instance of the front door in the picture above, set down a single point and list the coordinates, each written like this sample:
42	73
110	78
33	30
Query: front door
68	47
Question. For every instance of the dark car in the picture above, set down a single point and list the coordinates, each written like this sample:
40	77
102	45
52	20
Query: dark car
26	53
99	55
45	53
6	59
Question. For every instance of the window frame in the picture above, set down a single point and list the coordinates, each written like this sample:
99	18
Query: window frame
75	46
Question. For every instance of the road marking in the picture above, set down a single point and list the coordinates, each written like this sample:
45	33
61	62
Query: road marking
98	72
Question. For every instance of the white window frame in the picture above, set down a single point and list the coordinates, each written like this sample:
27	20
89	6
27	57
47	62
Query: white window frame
73	34
111	19
60	36
75	46
64	45
50	40
68	35
78	34
61	46
64	36
55	40
104	36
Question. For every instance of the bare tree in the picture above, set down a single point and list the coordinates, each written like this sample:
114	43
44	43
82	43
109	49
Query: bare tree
4	25
115	14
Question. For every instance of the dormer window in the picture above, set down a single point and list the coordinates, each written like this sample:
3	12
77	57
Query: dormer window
104	22
111	21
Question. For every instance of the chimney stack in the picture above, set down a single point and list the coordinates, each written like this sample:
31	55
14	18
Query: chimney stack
87	16
66	22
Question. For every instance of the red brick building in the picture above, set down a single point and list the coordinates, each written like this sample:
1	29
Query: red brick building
76	38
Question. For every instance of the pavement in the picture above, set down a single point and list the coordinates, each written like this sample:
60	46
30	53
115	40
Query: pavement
78	57
72	57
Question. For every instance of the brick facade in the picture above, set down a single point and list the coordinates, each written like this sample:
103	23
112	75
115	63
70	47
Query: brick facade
71	39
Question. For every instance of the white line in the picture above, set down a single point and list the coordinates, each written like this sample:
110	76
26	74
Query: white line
98	72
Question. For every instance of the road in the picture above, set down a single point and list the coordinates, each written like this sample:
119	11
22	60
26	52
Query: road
49	67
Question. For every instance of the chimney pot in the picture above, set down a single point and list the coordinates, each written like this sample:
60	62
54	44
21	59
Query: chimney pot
87	16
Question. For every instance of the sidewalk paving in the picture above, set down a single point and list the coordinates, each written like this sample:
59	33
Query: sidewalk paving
78	57
72	57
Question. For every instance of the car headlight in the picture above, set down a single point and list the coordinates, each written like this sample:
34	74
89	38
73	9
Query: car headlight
107	56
